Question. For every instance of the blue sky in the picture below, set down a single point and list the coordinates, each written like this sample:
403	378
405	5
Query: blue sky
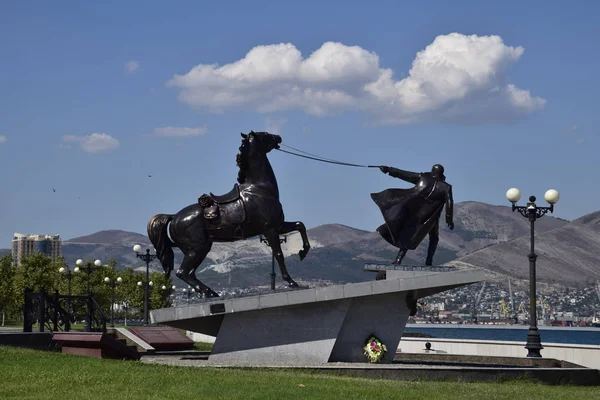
513	106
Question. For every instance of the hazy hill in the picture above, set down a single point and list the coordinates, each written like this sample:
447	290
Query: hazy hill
568	255
478	225
111	237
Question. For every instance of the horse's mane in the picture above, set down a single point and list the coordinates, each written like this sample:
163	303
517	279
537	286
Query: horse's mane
242	159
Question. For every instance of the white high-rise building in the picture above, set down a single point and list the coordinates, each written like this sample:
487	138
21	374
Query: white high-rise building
24	245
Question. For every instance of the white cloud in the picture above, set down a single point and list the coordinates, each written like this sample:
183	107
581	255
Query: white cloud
456	79
94	143
180	131
274	125
3	139
132	66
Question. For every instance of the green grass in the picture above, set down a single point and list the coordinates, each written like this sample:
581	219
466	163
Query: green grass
12	324
30	374
203	346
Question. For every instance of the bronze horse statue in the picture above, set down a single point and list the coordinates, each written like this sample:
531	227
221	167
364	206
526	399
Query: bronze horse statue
250	209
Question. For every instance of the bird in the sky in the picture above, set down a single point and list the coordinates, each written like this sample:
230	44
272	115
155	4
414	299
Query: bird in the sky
149	176
54	190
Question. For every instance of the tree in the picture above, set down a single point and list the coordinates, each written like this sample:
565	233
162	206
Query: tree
9	303
128	293
37	271
159	297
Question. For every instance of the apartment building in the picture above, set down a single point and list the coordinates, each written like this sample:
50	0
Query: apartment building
24	244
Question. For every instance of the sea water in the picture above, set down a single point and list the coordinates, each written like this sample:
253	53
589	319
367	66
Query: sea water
571	335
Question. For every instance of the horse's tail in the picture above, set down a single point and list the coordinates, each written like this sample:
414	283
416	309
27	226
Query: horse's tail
158	234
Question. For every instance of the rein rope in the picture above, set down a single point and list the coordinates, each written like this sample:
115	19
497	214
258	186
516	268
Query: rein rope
322	159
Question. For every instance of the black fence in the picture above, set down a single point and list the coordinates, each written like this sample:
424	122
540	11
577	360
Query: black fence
57	312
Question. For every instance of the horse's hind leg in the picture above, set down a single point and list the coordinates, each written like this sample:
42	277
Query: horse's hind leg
273	239
288	227
187	270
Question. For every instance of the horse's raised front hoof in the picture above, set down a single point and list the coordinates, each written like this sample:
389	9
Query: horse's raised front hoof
303	253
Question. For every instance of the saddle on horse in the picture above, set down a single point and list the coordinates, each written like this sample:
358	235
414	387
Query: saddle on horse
226	209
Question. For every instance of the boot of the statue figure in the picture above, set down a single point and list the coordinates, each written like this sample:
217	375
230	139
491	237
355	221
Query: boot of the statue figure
400	256
430	252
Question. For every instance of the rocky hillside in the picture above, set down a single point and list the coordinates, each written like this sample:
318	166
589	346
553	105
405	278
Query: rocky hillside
479	225
110	237
569	255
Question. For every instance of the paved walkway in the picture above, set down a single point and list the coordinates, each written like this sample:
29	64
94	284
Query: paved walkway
398	371
10	329
202	361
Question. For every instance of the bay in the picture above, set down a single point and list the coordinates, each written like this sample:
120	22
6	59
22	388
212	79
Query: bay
570	335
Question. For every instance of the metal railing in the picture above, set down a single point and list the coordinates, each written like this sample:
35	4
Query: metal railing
57	312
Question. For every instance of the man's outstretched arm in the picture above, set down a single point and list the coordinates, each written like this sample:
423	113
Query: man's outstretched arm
408	176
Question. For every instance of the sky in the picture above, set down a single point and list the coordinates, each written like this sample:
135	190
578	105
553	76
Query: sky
96	96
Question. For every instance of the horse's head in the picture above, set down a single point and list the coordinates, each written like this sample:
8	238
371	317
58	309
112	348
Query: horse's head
253	151
262	141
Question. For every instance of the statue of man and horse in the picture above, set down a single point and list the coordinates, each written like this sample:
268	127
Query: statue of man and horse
250	209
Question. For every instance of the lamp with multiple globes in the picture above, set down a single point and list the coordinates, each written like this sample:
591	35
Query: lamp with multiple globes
147	258
87	267
532	212
112	284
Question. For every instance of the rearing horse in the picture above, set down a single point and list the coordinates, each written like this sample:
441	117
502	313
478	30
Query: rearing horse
252	208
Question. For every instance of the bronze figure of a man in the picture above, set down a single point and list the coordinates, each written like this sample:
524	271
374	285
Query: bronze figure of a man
411	214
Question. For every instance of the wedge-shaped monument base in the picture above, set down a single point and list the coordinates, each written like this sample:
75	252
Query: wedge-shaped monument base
316	325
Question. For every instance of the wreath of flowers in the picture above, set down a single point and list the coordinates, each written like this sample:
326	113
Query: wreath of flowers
374	349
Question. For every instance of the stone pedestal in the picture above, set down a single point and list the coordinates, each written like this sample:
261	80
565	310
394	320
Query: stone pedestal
315	325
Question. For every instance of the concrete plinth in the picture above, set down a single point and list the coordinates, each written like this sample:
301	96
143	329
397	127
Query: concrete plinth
302	332
384	316
315	325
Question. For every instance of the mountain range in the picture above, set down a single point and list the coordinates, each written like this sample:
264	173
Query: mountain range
485	236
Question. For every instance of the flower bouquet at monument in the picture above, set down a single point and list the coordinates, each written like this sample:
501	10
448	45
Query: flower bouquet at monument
374	349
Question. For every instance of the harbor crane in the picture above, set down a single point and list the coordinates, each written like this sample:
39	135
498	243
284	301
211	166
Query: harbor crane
476	304
513	314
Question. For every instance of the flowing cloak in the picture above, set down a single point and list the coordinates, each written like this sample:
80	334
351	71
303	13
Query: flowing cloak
410	214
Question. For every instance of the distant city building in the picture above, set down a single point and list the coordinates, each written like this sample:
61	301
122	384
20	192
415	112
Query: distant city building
24	245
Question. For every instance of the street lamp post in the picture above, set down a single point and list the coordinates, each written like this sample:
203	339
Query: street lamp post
69	274
189	292
532	212
88	268
166	294
273	274
113	285
147	258
146	296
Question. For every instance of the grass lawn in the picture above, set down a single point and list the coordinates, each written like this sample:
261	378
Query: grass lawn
203	346
30	374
